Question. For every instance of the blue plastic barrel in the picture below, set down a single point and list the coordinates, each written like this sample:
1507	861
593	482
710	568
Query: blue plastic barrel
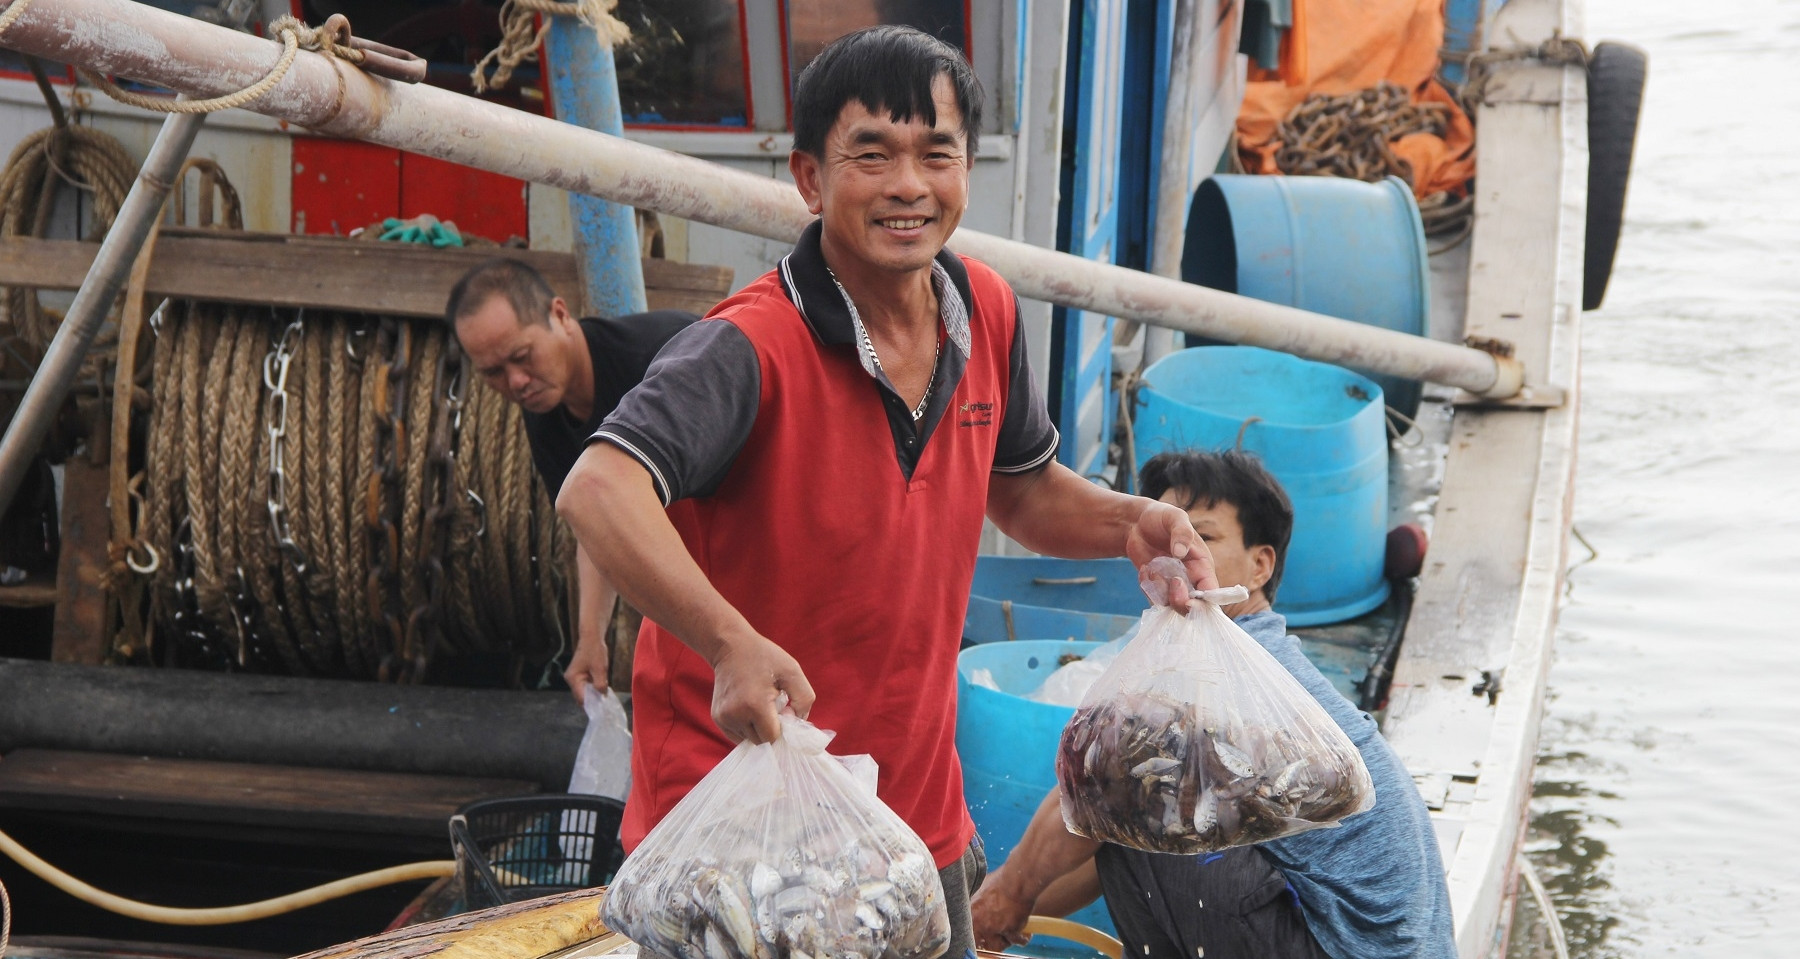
1008	744
1344	248
1319	428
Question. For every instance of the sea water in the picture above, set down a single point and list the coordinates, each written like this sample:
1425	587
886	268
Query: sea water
1667	812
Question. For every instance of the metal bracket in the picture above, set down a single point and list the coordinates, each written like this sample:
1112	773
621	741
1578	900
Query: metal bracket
1529	397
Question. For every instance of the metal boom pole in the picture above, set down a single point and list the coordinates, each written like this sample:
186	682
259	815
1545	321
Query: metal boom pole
332	97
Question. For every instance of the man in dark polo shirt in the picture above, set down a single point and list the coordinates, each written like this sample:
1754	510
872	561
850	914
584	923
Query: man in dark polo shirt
568	377
794	495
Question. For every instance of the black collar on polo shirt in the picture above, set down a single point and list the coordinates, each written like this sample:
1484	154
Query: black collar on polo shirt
807	282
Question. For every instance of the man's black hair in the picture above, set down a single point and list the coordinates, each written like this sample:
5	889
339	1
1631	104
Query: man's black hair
885	67
524	288
1235	477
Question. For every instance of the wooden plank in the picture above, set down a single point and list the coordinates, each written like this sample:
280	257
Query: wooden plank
523	930
241	793
79	634
329	273
1488	597
28	594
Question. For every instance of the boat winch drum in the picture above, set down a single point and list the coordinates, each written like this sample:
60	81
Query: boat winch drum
1343	248
1007	744
1319	429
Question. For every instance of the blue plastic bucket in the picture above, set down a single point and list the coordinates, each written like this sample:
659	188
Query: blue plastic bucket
1088	585
1319	429
1008	744
1344	248
997	620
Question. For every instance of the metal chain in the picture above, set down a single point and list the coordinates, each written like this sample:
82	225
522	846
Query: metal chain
275	411
191	625
383	508
1350	136
424	624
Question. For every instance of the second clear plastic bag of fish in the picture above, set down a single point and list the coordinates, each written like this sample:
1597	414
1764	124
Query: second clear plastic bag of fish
1196	739
780	853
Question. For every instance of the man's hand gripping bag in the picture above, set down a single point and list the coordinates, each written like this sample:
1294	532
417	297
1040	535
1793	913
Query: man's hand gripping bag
1196	739
780	853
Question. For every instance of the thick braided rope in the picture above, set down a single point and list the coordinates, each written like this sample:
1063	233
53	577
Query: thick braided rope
13	13
337	491
520	39
421	390
306	421
203	493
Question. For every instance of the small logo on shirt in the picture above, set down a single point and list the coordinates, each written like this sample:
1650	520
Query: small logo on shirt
975	414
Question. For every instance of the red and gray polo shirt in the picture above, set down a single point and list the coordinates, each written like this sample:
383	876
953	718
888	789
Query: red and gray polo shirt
842	529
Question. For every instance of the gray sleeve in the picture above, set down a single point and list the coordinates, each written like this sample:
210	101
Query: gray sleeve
1027	438
693	411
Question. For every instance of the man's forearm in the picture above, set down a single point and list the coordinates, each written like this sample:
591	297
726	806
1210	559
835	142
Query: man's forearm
595	598
1047	852
610	503
1056	512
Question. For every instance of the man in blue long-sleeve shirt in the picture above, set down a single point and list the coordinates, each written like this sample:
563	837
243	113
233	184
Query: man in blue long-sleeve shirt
1372	888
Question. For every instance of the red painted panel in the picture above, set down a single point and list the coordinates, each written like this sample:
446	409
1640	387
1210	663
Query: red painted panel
480	203
340	185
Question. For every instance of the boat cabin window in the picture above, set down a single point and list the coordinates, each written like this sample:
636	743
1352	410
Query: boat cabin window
685	64
811	24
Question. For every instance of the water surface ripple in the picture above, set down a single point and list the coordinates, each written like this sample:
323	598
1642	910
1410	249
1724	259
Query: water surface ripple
1664	820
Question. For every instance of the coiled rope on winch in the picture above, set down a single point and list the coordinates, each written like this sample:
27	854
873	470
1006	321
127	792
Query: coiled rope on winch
331	495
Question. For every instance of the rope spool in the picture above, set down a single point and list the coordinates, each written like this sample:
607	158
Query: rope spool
265	495
81	157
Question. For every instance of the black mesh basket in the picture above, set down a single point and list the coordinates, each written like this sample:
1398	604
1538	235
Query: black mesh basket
508	850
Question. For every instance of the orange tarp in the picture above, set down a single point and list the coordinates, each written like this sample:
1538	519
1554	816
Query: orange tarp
1342	46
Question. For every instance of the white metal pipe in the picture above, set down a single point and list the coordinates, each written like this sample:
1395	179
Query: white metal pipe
331	97
62	360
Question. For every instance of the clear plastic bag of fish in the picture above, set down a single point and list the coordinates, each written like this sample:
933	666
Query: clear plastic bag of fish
1196	739
780	853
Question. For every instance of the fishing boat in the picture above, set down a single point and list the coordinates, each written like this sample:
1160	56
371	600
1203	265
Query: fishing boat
1122	111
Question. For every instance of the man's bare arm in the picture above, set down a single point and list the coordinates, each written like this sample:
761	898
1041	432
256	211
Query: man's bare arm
594	605
1047	852
1055	512
610	502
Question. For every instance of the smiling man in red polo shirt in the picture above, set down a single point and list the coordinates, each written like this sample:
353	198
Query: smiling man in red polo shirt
826	444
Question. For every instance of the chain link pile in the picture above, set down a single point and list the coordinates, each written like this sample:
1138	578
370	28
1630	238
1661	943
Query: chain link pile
330	497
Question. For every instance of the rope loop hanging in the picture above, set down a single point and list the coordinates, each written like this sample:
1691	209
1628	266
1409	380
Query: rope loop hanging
521	34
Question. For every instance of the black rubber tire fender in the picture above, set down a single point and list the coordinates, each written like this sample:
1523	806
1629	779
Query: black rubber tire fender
1615	84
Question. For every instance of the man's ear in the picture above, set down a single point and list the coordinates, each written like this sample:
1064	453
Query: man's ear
559	311
1262	565
805	169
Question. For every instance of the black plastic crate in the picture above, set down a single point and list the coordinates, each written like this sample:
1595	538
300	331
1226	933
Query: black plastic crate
508	850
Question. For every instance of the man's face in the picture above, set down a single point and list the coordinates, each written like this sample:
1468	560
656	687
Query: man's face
1218	526
528	363
890	193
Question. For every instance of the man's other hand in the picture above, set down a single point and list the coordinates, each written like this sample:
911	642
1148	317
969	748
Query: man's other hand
999	914
749	677
1163	529
588	666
